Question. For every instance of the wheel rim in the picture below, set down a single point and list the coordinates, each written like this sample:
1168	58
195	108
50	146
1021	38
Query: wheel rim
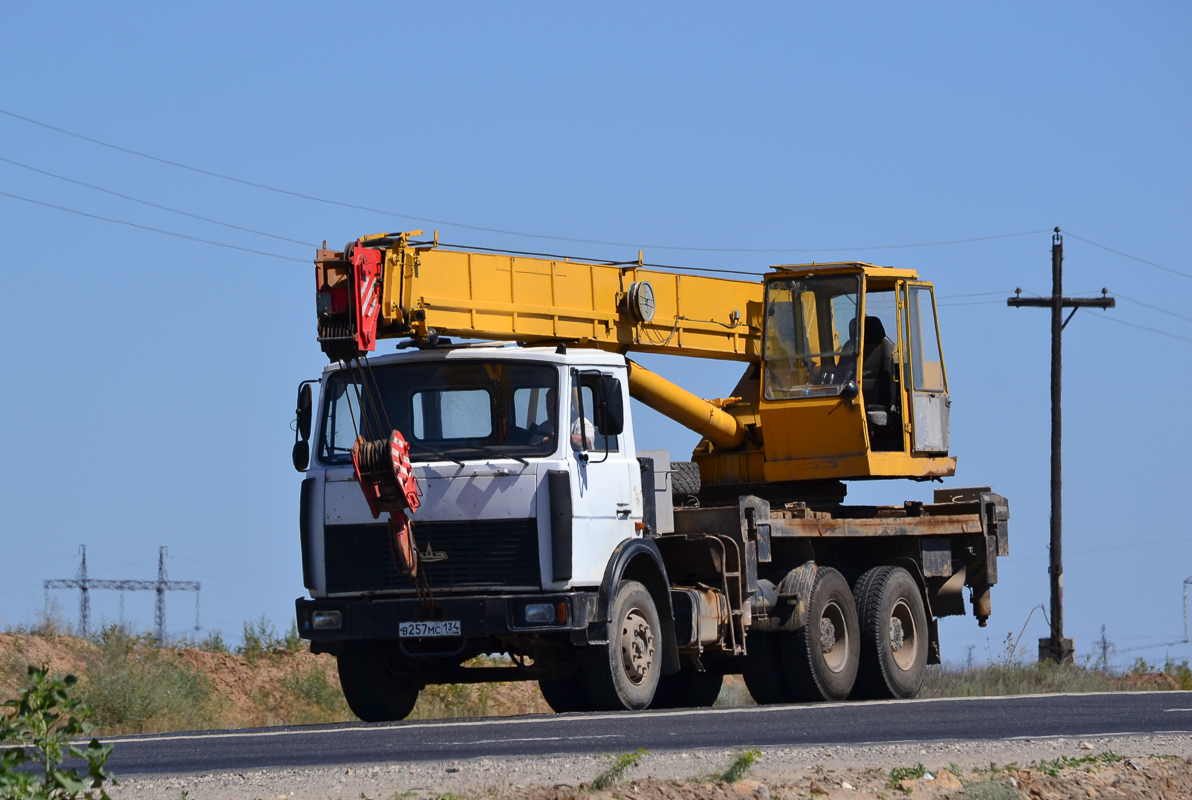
637	646
904	639
834	638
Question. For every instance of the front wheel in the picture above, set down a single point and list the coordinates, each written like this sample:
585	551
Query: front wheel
373	685
822	657
563	695
894	636
623	674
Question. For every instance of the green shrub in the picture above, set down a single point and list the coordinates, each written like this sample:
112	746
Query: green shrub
899	774
135	686
43	720
213	643
313	690
742	763
259	638
1181	672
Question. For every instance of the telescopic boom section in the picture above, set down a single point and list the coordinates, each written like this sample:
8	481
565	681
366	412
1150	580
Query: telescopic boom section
389	286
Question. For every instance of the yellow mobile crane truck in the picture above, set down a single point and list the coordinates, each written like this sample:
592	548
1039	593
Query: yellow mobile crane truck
488	495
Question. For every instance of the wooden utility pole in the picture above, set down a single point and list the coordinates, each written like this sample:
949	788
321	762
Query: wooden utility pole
1056	647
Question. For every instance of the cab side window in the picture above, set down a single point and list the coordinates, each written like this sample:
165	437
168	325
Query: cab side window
586	435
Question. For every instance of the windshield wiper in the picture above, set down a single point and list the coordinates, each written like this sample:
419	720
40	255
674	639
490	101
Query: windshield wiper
434	452
496	452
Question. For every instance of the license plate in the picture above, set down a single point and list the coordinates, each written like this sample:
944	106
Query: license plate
425	629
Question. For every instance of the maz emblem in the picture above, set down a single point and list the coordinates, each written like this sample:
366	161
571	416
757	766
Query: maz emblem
431	556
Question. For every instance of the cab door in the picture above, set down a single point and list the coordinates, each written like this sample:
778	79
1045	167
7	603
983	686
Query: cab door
924	368
606	481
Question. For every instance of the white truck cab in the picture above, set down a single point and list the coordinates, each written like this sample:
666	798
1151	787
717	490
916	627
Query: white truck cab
531	497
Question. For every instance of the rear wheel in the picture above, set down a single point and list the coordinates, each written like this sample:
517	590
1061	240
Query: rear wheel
894	634
821	658
763	672
624	673
688	689
374	686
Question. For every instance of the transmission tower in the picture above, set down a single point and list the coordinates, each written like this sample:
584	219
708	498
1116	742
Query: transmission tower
160	586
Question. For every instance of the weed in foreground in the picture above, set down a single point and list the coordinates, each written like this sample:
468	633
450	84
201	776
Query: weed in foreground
1052	768
742	763
989	789
38	731
899	774
615	770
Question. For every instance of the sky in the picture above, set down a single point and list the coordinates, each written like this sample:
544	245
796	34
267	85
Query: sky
152	375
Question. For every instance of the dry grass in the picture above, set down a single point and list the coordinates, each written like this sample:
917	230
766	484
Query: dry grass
272	679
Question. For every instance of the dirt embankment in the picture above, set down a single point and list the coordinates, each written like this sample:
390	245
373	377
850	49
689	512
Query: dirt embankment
136	687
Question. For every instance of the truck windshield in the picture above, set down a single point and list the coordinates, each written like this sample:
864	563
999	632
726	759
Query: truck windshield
458	410
811	335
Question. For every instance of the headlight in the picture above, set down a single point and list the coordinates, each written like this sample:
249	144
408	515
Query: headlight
326	620
540	612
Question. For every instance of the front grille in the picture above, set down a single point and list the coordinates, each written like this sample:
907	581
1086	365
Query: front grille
488	553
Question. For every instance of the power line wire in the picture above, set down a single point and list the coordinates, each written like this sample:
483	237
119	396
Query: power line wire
1142	327
972	303
151	204
149	228
1154	308
501	231
1127	255
972	294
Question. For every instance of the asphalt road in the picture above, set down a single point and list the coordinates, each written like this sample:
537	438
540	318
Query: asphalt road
824	724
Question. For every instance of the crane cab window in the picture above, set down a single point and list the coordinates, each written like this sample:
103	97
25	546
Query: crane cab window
811	336
880	376
927	364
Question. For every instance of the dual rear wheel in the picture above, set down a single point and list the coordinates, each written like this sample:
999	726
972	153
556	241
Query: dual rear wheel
869	641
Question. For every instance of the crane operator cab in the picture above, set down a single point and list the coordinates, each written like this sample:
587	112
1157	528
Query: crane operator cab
852	379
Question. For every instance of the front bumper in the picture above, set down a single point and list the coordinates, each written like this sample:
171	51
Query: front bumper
479	617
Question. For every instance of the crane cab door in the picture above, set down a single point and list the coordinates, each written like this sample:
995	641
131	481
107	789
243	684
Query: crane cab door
923	367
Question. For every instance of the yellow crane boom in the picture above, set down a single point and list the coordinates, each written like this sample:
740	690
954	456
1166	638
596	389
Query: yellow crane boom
426	289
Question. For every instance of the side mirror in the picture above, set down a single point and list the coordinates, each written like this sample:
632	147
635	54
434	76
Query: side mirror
303	411
849	392
301	455
302	414
610	408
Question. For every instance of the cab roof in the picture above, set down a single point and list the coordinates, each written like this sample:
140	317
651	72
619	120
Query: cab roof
837	267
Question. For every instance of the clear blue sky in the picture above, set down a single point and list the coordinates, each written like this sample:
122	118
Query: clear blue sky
151	379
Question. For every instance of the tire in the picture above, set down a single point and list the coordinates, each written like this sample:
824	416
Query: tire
822	657
894	634
763	672
375	689
564	695
685	481
688	689
623	674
